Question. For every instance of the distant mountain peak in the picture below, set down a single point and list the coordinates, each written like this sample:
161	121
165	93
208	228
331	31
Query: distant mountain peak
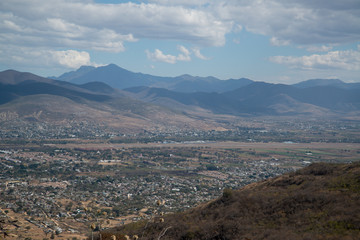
69	76
320	82
112	65
185	76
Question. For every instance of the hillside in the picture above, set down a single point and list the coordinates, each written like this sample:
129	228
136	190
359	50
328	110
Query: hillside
40	106
321	201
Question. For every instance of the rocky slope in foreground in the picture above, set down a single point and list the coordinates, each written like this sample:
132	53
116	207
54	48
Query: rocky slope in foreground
321	201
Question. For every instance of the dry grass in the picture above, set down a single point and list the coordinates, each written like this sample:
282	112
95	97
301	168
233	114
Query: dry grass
321	201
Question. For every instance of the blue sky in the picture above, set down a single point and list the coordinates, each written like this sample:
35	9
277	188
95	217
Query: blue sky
280	41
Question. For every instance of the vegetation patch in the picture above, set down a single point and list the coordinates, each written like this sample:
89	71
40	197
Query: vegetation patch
273	209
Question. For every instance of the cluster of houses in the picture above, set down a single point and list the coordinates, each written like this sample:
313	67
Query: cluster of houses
52	187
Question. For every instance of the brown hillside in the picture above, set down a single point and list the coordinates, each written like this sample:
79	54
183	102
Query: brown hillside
321	201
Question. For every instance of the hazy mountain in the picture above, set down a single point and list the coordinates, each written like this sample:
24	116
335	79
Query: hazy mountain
112	75
251	99
214	102
121	78
326	82
69	76
14	77
32	98
15	84
191	84
337	99
27	88
259	98
98	87
321	201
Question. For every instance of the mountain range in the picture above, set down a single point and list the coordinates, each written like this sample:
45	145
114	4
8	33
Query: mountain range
115	97
241	97
120	78
259	99
27	98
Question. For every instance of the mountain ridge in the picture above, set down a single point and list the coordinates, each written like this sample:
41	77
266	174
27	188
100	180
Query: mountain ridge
260	98
252	99
121	78
326	82
156	108
24	95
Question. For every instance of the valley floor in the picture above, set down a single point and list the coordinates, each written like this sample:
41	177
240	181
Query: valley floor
60	189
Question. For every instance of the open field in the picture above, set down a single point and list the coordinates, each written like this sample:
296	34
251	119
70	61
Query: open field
255	145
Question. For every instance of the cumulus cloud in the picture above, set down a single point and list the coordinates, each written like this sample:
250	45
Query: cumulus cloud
45	26
84	25
71	58
303	22
298	22
159	56
108	26
346	60
198	54
43	58
184	55
55	32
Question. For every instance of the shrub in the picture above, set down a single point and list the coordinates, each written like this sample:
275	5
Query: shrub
228	193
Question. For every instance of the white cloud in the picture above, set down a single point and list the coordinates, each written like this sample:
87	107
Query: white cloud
52	25
42	58
92	25
346	60
71	58
198	54
184	55
188	3
298	22
322	48
279	42
107	27
59	33
159	56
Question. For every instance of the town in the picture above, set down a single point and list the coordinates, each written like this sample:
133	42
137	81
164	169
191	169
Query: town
60	189
253	130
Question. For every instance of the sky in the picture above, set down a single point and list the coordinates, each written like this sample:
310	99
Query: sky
279	41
